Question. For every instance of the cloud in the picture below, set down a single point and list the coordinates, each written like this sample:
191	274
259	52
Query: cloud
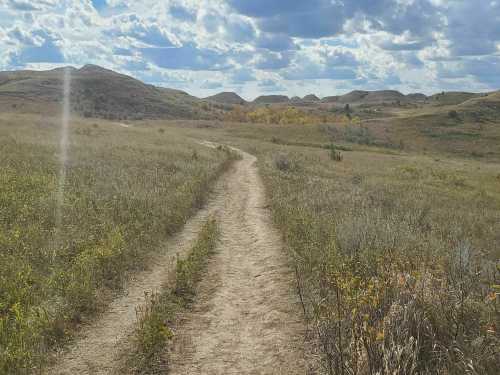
211	85
135	65
359	43
99	4
239	30
132	26
39	47
187	57
270	86
315	23
329	64
403	46
242	75
26	6
48	52
485	70
182	13
275	42
474	27
265	8
268	60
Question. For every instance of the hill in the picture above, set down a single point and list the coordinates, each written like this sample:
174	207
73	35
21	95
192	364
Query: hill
416	97
359	97
271	99
95	92
311	98
482	107
451	98
227	98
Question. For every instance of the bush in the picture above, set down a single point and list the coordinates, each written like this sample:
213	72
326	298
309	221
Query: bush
334	154
282	163
453	115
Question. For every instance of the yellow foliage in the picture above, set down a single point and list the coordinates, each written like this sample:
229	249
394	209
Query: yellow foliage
285	116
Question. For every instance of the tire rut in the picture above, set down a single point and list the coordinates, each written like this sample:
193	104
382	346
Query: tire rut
98	347
247	318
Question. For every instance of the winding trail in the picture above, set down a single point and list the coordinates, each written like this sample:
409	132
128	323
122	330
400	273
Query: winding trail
246	320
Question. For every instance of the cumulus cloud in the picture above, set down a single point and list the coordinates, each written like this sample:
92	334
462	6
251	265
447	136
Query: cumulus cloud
182	13
186	57
320	43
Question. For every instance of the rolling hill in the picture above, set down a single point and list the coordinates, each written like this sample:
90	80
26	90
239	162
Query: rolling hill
95	92
227	98
271	99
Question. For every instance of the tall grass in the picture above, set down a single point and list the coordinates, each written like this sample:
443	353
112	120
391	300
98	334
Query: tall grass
396	259
126	191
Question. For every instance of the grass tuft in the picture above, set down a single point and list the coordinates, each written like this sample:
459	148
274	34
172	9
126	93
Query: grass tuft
159	313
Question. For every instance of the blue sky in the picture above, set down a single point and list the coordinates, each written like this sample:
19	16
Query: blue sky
254	47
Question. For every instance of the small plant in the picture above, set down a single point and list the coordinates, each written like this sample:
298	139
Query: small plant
334	154
453	115
282	163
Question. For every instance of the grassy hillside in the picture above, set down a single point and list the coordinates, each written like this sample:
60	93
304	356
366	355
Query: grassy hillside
127	189
227	98
95	92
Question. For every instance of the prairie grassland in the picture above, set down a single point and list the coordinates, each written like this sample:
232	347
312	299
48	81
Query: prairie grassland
127	189
395	257
396	254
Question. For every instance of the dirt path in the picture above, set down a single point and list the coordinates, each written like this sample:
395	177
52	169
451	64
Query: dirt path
98	347
246	320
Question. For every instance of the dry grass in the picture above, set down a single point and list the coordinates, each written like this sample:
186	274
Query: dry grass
127	189
395	259
396	254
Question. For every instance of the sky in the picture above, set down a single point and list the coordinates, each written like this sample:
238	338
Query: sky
260	47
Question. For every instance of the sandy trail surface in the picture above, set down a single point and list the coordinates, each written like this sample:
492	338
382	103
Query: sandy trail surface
246	319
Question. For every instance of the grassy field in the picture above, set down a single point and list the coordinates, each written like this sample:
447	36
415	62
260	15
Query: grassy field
127	189
395	253
394	257
395	246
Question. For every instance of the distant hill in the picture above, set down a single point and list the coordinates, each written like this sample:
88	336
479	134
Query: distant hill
311	98
482	107
359	97
416	97
95	92
330	99
451	97
271	99
227	98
